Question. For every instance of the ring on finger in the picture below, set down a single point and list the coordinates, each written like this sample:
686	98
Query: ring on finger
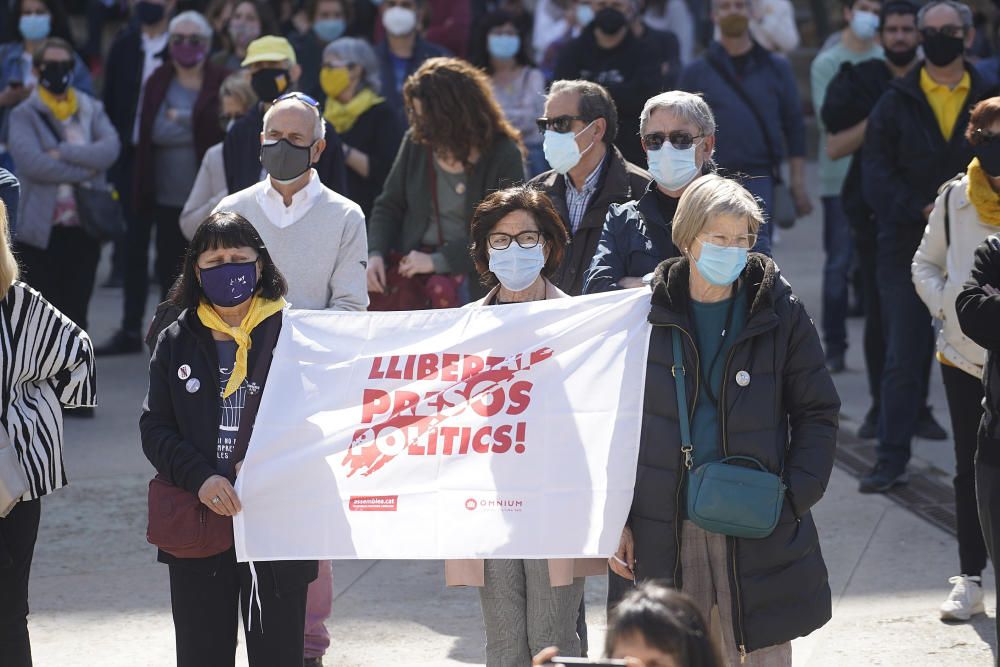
216	500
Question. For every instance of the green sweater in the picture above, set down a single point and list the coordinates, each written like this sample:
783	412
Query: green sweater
403	211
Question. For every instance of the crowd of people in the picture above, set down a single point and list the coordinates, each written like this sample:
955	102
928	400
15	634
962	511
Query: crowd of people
414	154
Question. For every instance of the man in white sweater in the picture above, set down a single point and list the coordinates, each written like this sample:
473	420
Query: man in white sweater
318	241
316	237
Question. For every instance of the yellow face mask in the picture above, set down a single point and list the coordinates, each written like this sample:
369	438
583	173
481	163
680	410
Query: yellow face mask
334	80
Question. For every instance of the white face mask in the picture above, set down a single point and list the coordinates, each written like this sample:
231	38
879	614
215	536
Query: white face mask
561	151
399	21
673	168
515	267
864	24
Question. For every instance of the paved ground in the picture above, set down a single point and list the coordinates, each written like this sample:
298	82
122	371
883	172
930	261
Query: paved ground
99	598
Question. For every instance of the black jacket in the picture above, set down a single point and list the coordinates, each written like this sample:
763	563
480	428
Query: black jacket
179	429
850	98
241	155
377	134
906	159
979	316
621	181
635	239
786	418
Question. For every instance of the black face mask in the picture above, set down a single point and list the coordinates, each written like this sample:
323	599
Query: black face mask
56	77
268	84
941	49
149	13
901	58
609	20
989	156
284	161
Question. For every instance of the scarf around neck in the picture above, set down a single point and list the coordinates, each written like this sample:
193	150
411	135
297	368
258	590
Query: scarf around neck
260	310
61	109
343	116
982	195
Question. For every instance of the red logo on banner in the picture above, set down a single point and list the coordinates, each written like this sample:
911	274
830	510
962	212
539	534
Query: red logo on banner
374	503
471	504
414	424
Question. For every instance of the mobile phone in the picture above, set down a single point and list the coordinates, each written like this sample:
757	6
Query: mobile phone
592	662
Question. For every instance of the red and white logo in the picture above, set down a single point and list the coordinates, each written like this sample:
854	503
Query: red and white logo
374	503
471	504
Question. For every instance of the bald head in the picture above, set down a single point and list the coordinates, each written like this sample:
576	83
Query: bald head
295	120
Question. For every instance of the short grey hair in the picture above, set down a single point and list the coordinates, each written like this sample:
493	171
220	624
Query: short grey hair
689	106
357	52
319	129
195	18
964	13
595	102
707	198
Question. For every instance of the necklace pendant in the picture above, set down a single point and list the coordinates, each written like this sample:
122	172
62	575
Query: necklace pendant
460	188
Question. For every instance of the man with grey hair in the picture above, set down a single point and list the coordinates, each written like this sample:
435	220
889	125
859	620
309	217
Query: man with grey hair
914	142
588	172
678	133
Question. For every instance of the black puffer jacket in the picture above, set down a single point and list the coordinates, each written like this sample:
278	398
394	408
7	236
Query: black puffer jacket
787	412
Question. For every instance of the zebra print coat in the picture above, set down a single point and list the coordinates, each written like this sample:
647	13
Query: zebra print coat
45	361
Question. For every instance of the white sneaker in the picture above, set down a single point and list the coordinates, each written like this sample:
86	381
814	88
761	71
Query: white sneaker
965	599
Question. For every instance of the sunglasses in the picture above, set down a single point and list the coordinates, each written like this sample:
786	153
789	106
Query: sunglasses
679	139
947	31
558	124
986	137
193	40
295	95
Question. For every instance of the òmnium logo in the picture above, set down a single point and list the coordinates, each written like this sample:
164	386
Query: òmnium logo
502	504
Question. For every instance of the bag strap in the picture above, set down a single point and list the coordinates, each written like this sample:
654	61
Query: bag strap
434	194
947	216
748	101
257	376
677	370
48	124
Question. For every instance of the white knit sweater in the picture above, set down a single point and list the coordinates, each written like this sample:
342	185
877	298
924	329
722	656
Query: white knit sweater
323	255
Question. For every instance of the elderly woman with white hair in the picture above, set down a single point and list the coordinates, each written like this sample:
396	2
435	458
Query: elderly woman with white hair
738	446
178	123
677	130
368	128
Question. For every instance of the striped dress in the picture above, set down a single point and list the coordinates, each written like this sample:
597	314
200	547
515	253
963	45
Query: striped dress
45	360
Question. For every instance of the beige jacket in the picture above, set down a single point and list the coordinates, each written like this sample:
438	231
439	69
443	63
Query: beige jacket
562	571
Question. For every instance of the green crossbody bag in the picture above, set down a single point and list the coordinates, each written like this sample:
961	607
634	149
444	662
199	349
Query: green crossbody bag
735	496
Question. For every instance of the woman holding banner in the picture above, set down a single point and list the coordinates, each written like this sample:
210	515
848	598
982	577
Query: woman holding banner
205	381
745	415
518	240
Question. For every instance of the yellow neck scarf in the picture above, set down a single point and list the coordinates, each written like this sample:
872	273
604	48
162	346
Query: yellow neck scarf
260	310
982	195
61	109
343	116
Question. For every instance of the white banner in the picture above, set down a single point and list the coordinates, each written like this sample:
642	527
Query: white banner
508	431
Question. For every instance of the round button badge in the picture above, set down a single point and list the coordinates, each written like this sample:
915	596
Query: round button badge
742	378
192	385
184	372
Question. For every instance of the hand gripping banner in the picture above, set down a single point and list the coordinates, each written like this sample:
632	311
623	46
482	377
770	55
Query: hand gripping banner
508	431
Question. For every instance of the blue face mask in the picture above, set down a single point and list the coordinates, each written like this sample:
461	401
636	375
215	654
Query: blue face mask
721	265
329	29
584	15
34	27
503	47
673	168
864	24
561	151
515	267
229	285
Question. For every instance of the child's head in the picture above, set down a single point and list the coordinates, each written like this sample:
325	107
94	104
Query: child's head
662	628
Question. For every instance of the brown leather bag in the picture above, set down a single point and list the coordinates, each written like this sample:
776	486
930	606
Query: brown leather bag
179	523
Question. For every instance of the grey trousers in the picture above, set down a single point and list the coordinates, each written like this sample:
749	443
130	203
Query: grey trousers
706	580
523	613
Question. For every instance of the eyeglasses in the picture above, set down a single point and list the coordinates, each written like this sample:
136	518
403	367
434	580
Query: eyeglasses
946	30
501	241
558	124
742	241
679	139
295	95
193	40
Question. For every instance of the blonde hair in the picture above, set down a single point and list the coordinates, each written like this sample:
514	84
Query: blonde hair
709	197
8	265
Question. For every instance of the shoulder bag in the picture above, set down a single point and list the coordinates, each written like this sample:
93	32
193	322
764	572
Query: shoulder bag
98	208
179	523
782	211
735	496
13	479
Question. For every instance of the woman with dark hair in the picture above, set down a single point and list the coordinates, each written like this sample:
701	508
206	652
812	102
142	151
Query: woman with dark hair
232	296
249	20
459	148
518	240
502	47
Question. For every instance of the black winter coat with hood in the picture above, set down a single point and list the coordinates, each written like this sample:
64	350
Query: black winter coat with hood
786	418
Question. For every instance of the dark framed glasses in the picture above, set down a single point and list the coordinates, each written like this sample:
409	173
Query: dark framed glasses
946	30
558	124
679	139
501	241
295	95
193	40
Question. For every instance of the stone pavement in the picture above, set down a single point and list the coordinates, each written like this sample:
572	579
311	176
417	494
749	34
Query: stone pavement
99	598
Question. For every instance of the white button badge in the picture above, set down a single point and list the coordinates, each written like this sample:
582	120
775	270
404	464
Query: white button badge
742	378
184	372
192	385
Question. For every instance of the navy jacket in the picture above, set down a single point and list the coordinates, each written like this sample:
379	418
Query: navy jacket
392	90
635	239
770	83
906	159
